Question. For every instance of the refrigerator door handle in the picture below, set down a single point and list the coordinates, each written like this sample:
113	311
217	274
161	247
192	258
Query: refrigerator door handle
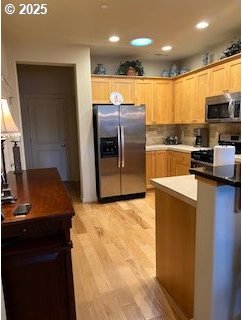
119	147
122	143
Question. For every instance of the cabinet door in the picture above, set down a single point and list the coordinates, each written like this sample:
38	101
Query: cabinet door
179	163
218	80
101	88
190	93
182	169
161	164
179	103
35	284
125	87
202	93
233	75
150	168
172	164
144	95
183	163
163	102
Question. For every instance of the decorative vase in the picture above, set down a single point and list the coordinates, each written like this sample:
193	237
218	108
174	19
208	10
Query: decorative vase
131	71
206	58
174	70
100	69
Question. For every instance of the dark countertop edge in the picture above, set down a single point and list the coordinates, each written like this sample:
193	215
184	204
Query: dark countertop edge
216	178
22	219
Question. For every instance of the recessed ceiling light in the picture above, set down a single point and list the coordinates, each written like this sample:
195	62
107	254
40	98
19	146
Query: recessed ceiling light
141	42
202	25
114	39
166	48
104	6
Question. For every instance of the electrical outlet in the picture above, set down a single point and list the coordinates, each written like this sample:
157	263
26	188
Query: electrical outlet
216	136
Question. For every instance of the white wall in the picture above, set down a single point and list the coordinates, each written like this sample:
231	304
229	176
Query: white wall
151	68
215	53
78	56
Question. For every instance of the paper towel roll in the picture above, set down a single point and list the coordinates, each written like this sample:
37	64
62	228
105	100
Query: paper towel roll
223	155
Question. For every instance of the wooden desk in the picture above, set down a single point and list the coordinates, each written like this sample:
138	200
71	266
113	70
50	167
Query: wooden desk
36	249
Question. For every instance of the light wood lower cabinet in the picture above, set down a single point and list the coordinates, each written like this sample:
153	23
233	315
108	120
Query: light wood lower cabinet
179	162
150	168
165	164
156	166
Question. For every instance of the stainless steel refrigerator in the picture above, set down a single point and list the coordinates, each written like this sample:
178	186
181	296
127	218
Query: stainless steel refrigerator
119	140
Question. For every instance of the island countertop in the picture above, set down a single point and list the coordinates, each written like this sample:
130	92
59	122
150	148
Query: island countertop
229	175
181	187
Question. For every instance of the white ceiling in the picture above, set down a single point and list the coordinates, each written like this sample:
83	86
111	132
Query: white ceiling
84	22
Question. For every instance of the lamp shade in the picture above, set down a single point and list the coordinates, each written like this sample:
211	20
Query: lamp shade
8	126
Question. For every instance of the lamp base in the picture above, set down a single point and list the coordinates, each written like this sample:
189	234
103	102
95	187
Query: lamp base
7	196
16	157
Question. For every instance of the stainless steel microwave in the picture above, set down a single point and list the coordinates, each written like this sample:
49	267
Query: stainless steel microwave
224	108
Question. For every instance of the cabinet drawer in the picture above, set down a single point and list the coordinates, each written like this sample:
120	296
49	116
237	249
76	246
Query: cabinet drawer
35	229
181	157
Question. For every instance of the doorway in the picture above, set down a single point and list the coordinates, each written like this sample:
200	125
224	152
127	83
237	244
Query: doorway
48	107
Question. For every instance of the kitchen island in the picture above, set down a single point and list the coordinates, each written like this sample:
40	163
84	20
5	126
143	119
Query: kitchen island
198	241
175	201
217	288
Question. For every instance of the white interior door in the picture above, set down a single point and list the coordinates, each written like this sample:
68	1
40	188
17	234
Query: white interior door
47	130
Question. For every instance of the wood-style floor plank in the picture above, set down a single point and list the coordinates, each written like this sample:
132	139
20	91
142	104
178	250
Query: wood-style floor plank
114	261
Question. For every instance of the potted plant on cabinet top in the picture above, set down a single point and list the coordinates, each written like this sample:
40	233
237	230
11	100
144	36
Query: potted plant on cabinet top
131	68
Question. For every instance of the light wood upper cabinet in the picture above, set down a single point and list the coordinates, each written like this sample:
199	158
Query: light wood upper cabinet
190	99
218	81
233	75
190	94
225	77
163	102
125	87
202	92
101	88
144	95
172	101
179	101
157	95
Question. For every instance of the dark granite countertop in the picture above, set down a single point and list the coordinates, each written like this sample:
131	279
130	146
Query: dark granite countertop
230	175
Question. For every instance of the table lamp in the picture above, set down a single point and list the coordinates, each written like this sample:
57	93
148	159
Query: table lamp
8	129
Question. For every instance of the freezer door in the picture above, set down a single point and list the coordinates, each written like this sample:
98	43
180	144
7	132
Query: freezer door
107	147
132	124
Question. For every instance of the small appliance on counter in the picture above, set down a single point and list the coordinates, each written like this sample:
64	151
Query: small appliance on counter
172	140
201	137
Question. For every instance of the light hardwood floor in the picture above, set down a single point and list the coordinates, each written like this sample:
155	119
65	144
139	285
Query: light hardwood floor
113	259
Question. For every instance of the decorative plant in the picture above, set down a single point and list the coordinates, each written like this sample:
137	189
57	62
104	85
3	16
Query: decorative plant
233	48
136	64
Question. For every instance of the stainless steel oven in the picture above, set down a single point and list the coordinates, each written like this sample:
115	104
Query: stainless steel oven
224	108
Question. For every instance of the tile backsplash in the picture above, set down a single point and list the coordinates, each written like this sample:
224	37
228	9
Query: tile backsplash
158	133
